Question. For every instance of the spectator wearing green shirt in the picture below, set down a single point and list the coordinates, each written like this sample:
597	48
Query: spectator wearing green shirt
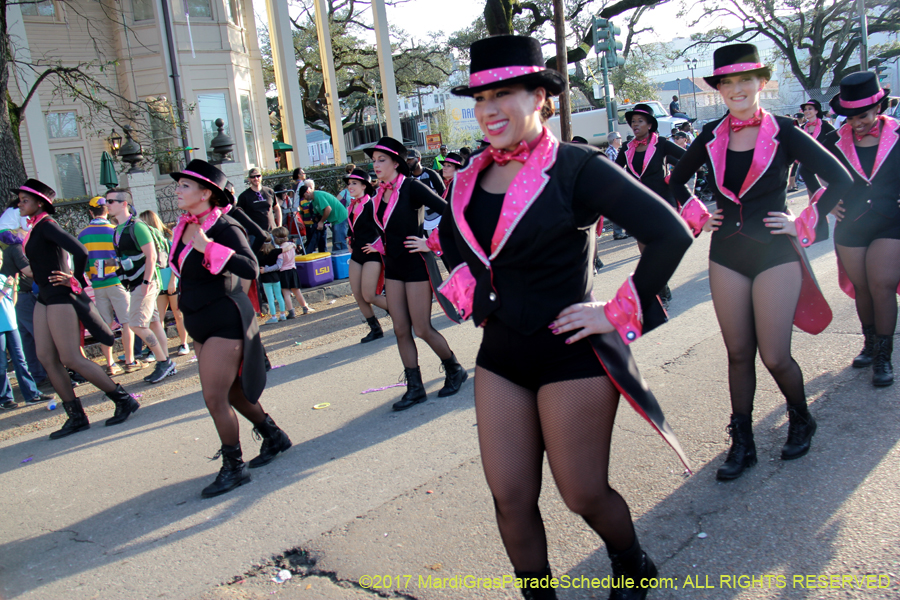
328	209
137	255
439	159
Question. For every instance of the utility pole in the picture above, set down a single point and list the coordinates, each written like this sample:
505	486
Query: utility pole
565	111
863	35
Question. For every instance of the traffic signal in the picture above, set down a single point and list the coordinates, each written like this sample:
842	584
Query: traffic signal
601	35
613	46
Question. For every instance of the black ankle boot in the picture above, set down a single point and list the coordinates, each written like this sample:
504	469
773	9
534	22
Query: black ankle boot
882	370
456	375
232	474
125	405
76	422
742	454
867	356
376	334
632	564
531	584
415	390
274	441
801	428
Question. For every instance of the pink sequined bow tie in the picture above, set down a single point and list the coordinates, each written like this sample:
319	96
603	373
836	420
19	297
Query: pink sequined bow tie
195	219
387	186
875	132
644	142
502	156
754	121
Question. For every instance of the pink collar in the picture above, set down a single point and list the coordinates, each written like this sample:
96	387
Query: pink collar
886	142
527	185
813	128
206	220
632	150
32	221
356	207
395	186
763	154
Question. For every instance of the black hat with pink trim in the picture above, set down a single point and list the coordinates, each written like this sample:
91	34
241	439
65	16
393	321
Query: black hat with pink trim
363	176
645	111
816	105
209	177
509	59
860	92
39	190
736	58
394	149
454	159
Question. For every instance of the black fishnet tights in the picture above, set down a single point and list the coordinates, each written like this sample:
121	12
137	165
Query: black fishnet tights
572	421
875	274
410	308
753	314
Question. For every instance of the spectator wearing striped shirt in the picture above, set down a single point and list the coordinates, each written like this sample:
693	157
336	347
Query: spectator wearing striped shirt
110	296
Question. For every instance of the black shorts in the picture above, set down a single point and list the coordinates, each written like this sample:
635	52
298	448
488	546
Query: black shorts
220	319
409	267
869	227
535	360
361	258
749	257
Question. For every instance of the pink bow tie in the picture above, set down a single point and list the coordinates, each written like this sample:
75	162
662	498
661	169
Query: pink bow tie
644	142
387	186
502	156
875	132
195	219
754	121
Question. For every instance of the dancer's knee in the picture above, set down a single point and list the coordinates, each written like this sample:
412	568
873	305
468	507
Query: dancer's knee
513	500
587	500
779	362
741	357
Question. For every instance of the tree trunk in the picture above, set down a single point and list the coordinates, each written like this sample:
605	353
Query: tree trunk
12	169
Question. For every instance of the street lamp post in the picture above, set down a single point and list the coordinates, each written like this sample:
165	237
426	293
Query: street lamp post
692	64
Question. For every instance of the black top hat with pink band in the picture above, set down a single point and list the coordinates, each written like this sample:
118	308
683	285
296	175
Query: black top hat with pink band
860	92
454	159
209	177
360	175
736	58
816	105
509	59
39	190
645	111
392	148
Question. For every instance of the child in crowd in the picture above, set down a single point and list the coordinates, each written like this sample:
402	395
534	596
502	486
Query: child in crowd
270	277
290	283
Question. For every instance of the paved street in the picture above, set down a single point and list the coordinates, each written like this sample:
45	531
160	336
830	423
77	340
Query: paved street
116	513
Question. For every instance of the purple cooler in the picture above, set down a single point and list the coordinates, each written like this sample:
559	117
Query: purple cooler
314	269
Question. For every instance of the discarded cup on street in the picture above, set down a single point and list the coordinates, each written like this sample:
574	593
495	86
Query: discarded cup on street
283	575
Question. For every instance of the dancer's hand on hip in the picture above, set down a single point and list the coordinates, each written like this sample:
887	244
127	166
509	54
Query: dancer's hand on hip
587	318
781	223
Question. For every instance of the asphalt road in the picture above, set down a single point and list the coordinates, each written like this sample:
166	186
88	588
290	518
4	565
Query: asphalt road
398	498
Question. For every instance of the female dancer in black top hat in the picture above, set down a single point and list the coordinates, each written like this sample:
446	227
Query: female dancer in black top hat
61	304
399	213
817	128
759	277
452	163
867	235
519	234
209	253
648	157
365	265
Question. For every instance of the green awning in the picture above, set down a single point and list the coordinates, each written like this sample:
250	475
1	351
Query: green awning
282	146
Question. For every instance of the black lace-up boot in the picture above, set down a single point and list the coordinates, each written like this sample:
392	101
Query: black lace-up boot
742	454
882	370
125	405
232	474
867	356
456	375
415	390
632	564
274	441
376	334
76	422
536	584
801	429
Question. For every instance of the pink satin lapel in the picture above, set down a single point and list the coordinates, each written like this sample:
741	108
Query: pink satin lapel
392	202
631	151
357	210
462	194
524	190
763	154
886	143
208	222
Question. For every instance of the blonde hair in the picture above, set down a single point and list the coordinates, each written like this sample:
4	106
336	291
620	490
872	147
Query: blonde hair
152	219
281	234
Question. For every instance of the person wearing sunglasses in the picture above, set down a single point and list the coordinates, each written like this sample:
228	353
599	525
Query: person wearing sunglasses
258	201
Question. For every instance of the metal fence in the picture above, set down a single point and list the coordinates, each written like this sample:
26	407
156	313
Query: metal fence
72	215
